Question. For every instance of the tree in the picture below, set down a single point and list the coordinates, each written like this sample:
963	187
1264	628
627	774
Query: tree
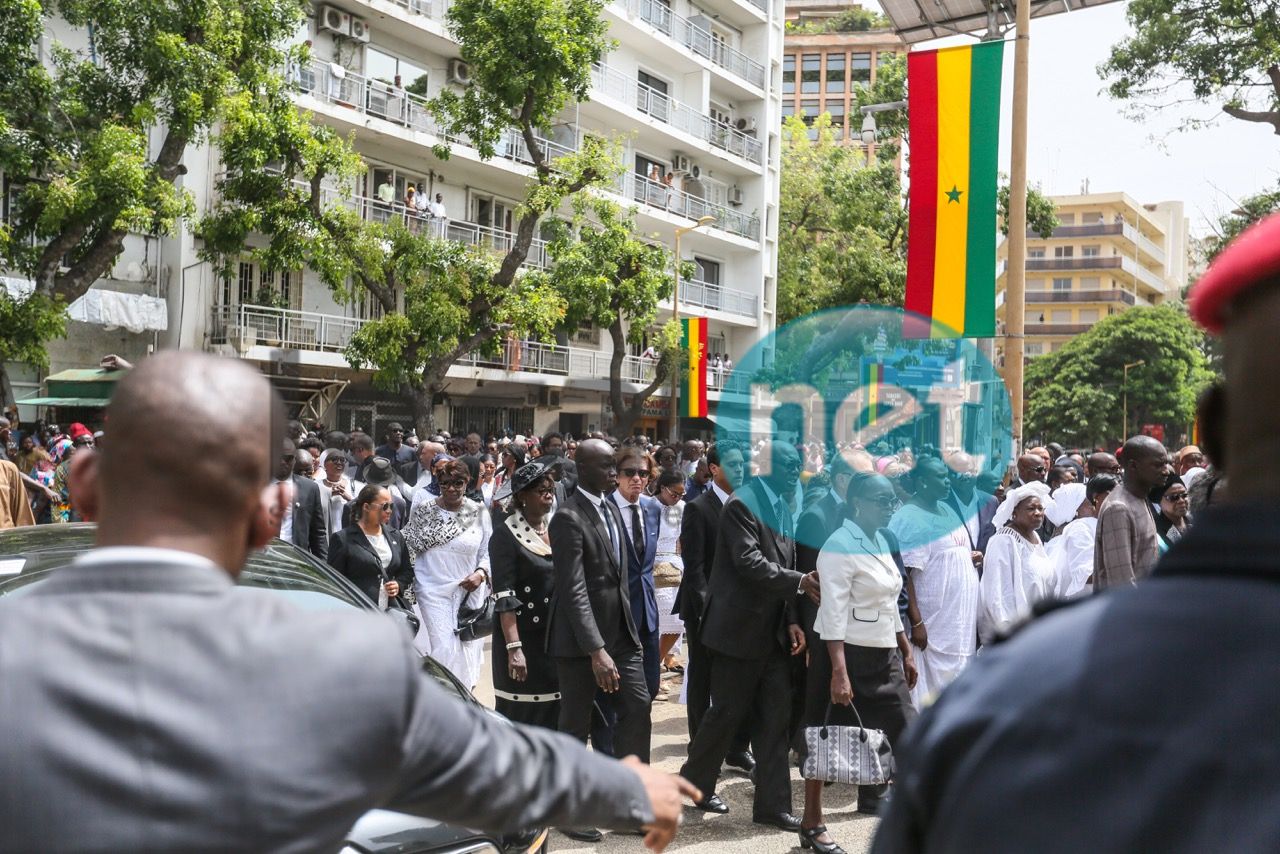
528	60
841	225
1042	216
76	134
1248	210
26	323
1200	51
614	279
1075	394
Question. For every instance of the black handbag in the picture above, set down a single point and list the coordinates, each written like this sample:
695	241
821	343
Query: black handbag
476	623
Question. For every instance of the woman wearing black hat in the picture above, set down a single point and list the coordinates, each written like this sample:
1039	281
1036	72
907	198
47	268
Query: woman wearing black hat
1171	499
524	676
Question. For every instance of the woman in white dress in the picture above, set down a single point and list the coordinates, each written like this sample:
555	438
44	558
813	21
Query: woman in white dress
668	568
449	538
1075	513
942	580
1017	571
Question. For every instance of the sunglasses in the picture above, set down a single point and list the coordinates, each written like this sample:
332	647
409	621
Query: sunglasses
644	473
674	493
452	484
884	502
384	506
1038	469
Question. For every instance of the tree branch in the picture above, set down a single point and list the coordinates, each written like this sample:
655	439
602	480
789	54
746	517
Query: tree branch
1269	117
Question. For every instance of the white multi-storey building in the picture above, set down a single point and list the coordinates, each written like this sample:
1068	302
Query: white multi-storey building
692	90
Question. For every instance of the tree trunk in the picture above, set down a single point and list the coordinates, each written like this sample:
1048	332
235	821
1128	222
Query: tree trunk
6	389
625	414
421	399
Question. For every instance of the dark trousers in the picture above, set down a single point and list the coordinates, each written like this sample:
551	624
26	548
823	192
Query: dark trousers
602	731
650	643
741	689
698	697
577	702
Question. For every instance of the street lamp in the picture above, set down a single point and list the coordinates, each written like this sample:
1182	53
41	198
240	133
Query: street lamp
1125	437
869	119
675	315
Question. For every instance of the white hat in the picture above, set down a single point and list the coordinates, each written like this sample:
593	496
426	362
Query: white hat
1066	502
1014	497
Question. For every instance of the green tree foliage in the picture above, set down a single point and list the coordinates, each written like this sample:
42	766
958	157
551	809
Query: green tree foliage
1042	216
841	225
95	134
1219	51
26	323
1074	395
890	88
440	302
855	20
614	279
1248	211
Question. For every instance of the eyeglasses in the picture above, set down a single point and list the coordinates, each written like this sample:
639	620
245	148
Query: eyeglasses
1178	497
884	502
1038	469
644	473
452	484
384	506
677	494
546	490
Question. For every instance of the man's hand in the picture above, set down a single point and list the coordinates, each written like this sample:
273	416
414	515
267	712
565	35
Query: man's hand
976	556
666	798
919	636
472	581
909	670
797	639
393	588
605	671
809	586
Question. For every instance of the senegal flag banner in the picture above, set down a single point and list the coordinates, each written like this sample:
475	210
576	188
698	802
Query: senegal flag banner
693	373
954	117
872	377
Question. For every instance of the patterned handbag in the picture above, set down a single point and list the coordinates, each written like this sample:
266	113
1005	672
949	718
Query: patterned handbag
847	754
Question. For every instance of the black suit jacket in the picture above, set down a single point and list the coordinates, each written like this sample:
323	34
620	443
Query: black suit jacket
309	528
591	605
351	553
409	472
818	521
698	530
751	597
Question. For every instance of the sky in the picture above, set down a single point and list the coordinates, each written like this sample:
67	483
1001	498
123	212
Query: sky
1077	132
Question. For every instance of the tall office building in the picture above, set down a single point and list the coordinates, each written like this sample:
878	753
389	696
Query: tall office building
692	90
1108	253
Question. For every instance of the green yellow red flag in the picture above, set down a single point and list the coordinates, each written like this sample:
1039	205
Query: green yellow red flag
954	117
693	376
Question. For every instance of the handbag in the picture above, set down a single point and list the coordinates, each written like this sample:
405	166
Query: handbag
847	754
475	623
667	574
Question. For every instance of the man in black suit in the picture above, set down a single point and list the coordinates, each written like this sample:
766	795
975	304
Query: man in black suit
420	468
971	504
305	526
750	627
698	529
592	634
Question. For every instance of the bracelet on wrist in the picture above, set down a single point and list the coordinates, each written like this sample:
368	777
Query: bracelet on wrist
917	625
515	645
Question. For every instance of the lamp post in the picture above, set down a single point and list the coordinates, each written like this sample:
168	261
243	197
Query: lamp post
869	120
1125	437
675	315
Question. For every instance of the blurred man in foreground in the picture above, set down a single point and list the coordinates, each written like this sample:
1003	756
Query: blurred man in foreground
158	707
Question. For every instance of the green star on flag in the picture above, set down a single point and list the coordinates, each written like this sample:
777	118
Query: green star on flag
953	195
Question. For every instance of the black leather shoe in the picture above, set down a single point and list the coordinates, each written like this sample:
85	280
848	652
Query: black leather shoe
809	839
713	804
780	820
743	761
583	834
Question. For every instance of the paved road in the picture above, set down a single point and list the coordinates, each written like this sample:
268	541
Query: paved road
703	833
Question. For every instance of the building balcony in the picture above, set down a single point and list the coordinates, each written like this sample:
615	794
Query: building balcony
697	39
659	196
246	326
1110	229
1134	270
1115	295
679	115
1057	328
718	298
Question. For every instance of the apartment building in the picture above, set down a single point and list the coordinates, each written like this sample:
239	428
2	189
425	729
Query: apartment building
1108	253
691	90
824	66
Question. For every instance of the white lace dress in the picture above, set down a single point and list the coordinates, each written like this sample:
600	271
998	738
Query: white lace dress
437	571
668	542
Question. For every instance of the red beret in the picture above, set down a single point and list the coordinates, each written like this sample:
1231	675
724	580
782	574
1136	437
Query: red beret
1251	258
77	430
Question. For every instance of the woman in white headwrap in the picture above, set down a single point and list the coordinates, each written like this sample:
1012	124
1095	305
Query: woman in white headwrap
1016	571
1075	506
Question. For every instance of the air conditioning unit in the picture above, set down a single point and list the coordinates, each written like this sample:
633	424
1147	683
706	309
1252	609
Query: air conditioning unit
459	72
746	125
360	29
735	195
549	397
333	20
695	171
680	162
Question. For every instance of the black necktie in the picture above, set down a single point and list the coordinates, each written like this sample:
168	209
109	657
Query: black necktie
784	518
637	532
614	541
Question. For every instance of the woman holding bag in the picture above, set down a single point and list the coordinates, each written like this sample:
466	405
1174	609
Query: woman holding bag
668	568
369	552
865	660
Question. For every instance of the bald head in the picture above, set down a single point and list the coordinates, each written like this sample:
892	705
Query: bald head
1032	467
190	438
1101	462
1146	463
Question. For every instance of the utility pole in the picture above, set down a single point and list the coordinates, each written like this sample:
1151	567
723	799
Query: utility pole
1015	293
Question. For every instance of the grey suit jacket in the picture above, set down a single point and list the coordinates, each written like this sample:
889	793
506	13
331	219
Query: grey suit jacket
153	705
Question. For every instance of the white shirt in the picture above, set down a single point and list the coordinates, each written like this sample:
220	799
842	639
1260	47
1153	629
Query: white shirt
627	517
720	493
860	586
437	210
1016	574
381	546
286	518
609	524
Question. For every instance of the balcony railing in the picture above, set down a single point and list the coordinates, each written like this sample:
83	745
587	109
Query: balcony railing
1057	328
655	194
697	39
1109	229
249	325
678	114
434	9
706	295
1115	295
1097	262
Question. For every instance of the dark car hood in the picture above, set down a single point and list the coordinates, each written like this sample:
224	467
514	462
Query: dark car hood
384	832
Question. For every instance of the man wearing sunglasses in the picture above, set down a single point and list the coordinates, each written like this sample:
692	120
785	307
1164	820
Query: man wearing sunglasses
1031	467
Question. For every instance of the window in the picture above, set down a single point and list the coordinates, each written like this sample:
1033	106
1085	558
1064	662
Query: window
1091	218
789	74
811	73
651	95
1034	348
1091	251
1035	284
835	72
809	112
1032	316
883	57
1038	252
1090	283
860	69
1088	315
1063	284
836	110
244	291
788	109
1063	251
1060	315
708	270
1066	219
390	69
